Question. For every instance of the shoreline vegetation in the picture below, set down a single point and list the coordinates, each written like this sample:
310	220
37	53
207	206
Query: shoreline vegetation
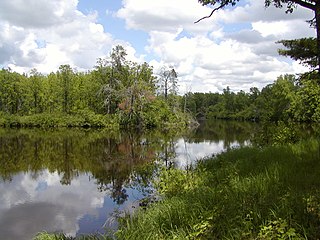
119	93
268	192
245	193
122	94
254	192
86	119
116	94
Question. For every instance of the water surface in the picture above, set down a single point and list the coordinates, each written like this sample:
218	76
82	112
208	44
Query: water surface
77	181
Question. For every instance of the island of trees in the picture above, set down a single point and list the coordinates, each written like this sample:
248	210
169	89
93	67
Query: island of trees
117	93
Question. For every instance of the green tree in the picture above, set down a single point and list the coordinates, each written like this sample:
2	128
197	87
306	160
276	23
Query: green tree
254	93
275	100
305	106
35	91
303	50
85	91
251	112
52	89
10	91
137	92
99	78
112	73
65	76
228	102
200	106
241	103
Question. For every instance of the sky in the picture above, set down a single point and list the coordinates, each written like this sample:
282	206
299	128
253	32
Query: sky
236	47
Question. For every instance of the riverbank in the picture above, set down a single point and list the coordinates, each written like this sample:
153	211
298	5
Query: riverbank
82	119
267	192
246	193
88	119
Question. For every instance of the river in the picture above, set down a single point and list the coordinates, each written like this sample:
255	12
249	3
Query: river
77	181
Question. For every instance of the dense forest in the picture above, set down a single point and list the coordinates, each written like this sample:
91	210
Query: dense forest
117	92
288	98
121	93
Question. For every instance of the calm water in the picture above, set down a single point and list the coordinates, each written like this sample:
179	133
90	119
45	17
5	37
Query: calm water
77	181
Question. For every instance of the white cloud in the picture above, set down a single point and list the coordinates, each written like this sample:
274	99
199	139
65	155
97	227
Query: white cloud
215	55
235	47
210	66
51	205
34	14
254	11
67	36
163	15
271	28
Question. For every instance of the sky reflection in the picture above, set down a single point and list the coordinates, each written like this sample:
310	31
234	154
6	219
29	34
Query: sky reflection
31	205
189	153
76	182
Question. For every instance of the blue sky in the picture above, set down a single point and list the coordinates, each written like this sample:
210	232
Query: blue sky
112	24
235	48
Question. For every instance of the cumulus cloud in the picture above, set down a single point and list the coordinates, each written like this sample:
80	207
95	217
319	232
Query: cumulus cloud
36	13
236	47
164	15
210	66
48	34
254	11
51	205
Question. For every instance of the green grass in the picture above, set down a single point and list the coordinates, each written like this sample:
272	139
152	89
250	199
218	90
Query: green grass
85	119
48	236
61	236
247	193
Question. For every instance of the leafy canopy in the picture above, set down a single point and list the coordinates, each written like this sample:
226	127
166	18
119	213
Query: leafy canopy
303	50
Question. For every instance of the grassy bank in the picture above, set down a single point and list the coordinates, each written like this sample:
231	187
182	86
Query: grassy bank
60	236
167	121
83	119
247	193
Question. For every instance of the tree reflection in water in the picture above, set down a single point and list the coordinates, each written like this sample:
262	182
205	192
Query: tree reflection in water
112	160
110	166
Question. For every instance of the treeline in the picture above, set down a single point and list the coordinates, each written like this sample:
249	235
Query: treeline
115	92
288	98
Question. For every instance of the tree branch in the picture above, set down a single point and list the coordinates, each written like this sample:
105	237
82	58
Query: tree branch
305	4
216	9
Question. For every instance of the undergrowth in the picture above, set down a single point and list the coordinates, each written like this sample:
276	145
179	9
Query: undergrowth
84	119
246	193
61	236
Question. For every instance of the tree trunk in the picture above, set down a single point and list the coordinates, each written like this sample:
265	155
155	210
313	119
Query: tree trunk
317	16
166	89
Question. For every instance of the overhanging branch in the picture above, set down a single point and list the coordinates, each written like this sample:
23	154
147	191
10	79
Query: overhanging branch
215	9
305	4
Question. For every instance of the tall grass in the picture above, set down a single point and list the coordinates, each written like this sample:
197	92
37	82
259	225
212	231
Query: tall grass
61	236
247	193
